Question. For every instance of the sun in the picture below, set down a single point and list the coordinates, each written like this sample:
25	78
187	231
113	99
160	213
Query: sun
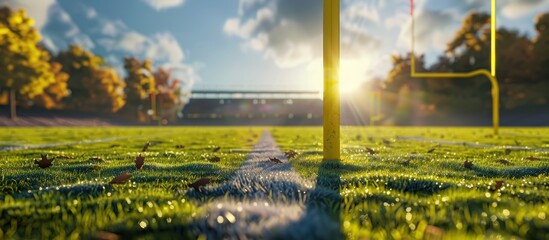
352	74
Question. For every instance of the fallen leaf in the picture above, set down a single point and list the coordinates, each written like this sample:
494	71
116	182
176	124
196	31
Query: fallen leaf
139	162
290	154
499	185
120	179
44	162
370	151
507	151
214	159
276	160
503	161
102	235
146	147
468	164
386	142
431	150
216	149
96	159
532	158
432	233
200	183
179	146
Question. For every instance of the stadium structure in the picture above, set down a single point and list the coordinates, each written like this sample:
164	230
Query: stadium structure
256	107
210	107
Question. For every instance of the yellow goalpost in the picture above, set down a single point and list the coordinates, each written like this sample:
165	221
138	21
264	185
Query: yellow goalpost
331	107
491	75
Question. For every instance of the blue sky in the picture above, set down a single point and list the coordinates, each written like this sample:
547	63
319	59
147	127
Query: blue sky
260	44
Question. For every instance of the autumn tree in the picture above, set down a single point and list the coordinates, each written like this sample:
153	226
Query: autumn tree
54	93
170	96
94	86
541	57
24	67
140	86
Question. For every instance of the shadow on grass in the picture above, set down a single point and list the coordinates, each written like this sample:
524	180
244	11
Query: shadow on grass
326	198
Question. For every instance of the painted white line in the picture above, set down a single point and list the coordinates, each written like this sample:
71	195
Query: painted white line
264	200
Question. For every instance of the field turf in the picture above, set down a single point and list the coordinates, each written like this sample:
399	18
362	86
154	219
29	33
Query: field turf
391	183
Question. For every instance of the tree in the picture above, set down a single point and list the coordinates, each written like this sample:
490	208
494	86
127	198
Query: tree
54	93
167	101
24	66
541	48
94	86
140	86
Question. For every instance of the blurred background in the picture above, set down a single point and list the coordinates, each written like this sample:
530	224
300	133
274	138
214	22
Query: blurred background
259	62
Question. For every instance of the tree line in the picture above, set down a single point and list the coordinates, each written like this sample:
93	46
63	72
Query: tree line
522	72
77	79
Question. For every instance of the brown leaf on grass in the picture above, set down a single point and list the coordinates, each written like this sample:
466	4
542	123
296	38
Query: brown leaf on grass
431	150
96	159
63	157
503	161
121	179
276	160
290	154
44	162
146	147
507	151
139	162
102	235
179	146
214	159
468	164
532	158
200	183
216	149
499	185
370	151
434	233
387	142
96	167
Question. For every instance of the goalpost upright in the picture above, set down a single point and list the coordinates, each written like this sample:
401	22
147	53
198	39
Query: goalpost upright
491	75
331	102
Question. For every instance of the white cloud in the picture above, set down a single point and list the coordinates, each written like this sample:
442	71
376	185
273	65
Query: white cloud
36	9
514	9
289	32
61	31
432	31
91	13
164	4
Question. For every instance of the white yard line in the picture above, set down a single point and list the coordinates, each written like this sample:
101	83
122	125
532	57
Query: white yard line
470	144
264	200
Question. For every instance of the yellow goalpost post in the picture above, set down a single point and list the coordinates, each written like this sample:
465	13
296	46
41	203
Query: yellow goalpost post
331	102
491	75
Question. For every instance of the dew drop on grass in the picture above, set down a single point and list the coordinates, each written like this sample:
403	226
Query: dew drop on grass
220	219
230	217
168	220
506	212
143	224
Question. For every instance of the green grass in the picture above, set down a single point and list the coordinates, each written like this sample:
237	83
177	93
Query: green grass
400	192
382	196
73	200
